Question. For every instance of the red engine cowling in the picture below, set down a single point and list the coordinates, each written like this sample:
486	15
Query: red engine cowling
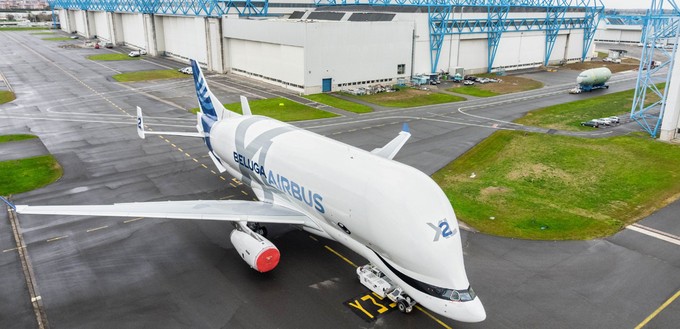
255	250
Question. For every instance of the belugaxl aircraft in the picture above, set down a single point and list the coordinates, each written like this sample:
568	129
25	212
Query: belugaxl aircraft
390	213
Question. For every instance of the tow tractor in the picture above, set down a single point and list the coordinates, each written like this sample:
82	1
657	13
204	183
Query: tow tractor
371	277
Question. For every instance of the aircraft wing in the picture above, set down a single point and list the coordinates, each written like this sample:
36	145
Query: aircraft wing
227	210
392	148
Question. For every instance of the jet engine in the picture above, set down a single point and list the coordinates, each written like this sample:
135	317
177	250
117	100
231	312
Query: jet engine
255	250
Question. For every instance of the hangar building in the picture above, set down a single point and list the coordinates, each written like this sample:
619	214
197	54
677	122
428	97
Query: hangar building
320	46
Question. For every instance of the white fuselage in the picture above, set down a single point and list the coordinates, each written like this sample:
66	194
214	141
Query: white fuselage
392	214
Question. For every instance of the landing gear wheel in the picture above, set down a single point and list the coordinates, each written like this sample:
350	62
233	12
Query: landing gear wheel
259	229
402	306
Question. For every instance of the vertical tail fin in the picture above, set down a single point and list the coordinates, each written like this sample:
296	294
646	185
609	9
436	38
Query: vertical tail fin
245	107
207	102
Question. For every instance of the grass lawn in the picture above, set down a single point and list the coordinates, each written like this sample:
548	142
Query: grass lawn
280	109
472	91
552	187
510	84
58	39
150	75
408	97
14	138
2	29
569	116
339	103
6	96
627	64
112	57
28	174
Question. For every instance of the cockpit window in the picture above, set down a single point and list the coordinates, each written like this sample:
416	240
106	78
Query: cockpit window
465	295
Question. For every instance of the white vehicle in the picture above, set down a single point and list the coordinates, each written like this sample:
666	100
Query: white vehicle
607	121
371	277
601	122
186	70
324	187
614	119
137	53
575	90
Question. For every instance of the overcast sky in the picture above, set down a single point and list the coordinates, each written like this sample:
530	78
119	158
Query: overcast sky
628	4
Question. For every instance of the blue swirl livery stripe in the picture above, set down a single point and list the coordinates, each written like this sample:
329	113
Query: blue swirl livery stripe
202	92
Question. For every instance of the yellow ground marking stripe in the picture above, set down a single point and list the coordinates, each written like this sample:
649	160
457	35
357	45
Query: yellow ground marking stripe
57	238
244	192
203	165
313	238
433	317
97	228
658	310
222	178
132	220
341	256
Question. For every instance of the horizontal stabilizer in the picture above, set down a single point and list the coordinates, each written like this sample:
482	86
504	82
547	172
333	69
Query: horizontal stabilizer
220	210
392	148
142	133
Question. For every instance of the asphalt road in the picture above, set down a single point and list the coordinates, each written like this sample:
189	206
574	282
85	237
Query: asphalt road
137	273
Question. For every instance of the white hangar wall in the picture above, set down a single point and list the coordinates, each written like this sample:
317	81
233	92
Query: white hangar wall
626	34
101	25
132	27
182	36
301	54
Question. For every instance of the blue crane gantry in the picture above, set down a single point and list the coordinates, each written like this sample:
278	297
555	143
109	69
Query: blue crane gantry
661	24
498	20
210	8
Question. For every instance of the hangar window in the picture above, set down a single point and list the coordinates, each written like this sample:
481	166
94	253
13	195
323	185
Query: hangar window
401	68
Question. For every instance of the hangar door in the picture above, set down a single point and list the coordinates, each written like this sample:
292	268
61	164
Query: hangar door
326	85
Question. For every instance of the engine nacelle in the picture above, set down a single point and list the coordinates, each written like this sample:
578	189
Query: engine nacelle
258	252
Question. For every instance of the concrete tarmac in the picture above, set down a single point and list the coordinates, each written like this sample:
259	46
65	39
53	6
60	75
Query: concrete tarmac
133	273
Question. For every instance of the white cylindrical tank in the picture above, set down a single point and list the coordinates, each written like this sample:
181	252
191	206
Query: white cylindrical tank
594	77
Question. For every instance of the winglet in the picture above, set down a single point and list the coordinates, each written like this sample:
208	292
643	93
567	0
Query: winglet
11	205
245	107
392	148
140	123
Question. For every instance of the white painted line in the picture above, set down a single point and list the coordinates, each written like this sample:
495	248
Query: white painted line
655	233
132	220
35	299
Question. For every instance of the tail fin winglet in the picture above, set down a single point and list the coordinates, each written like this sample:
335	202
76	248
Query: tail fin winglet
245	107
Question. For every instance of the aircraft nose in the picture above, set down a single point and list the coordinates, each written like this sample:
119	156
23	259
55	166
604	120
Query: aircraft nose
473	311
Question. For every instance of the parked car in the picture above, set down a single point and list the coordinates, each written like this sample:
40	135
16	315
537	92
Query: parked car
74	37
108	45
590	124
600	122
614	119
137	53
606	121
186	70
468	82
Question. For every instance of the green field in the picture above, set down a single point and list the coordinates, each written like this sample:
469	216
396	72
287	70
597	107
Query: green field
6	96
3	29
551	187
58	39
149	75
281	109
569	116
112	57
339	103
473	91
14	138
408	97
28	174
